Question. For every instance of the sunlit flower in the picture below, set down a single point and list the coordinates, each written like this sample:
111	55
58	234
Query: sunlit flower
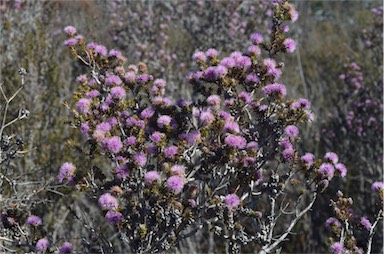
108	202
232	201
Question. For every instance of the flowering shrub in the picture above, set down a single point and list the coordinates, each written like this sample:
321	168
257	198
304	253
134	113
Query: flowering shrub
354	129
226	161
346	224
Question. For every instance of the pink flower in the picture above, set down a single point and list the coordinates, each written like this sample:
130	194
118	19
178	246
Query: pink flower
232	201
159	83
104	127
143	78
122	171
366	223
175	184
341	169
70	42
231	126
301	103
221	71
178	170
192	202
130	77
236	54
294	15
252	78
115	53
332	222
229	102
91	45
213	100
113	217
206	117
140	159
42	245
70	30
288	154
254	50
130	140
227	116
92	94
80	39
248	161
269	63
164	120
275	90
199	57
285	143
66	248
114	144
331	157
256	38
82	79
376	186
228	62
210	74
235	141
118	92
133	121
108	202
291	131
327	170
151	176
170	152
83	105
193	137
337	248
101	50
147	113
308	159
245	97
276	73
156	137
290	45
243	62
253	146
212	53
34	220
67	171
113	80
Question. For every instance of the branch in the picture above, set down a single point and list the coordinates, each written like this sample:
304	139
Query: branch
267	249
372	232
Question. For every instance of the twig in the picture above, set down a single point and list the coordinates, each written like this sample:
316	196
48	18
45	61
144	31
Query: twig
269	248
372	232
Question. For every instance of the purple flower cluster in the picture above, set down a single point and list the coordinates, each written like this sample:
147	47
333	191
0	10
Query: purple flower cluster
232	201
67	172
34	220
366	223
275	90
42	245
66	248
108	202
175	184
235	141
151	177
